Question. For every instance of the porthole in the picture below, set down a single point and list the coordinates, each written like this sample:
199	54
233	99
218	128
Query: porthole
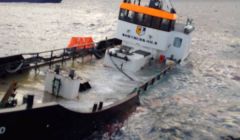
177	42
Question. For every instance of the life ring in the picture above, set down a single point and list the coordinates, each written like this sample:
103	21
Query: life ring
2	130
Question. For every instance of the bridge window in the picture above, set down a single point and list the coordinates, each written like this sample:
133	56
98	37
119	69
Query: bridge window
165	25
123	14
130	16
146	20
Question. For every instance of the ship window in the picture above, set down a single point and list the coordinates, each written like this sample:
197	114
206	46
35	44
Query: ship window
135	17
155	22
165	25
177	42
140	19
146	20
130	16
123	14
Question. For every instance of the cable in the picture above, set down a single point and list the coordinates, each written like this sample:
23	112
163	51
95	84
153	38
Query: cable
129	77
171	4
9	70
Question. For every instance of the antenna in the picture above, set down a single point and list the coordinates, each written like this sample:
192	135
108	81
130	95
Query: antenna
170	1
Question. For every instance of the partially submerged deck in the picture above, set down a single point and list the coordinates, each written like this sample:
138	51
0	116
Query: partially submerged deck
108	84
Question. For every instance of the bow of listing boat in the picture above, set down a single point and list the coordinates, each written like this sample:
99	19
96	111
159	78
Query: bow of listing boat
51	120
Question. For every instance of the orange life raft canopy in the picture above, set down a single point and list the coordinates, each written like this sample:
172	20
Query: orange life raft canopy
81	43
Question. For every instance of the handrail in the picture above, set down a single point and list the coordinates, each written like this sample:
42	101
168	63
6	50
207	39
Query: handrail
38	59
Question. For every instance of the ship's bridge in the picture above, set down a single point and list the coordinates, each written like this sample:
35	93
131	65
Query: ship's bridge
152	16
148	26
148	33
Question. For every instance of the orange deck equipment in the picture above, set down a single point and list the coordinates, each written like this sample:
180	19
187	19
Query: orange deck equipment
81	42
149	11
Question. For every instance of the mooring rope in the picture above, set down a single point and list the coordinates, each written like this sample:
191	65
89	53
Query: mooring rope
121	70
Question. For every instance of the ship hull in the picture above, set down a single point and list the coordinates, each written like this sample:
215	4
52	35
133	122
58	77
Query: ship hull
56	122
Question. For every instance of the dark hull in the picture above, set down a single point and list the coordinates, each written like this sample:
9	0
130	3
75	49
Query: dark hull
33	1
55	122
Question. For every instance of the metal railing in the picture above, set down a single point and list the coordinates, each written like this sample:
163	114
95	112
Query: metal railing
38	59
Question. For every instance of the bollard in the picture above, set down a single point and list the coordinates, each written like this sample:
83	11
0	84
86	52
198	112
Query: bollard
145	87
94	108
57	69
152	81
100	106
30	99
72	74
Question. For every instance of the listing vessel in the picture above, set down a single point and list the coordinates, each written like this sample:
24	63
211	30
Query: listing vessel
75	92
32	1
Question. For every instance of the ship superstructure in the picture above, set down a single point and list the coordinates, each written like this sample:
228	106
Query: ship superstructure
91	97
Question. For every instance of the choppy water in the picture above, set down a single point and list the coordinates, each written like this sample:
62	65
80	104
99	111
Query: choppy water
199	100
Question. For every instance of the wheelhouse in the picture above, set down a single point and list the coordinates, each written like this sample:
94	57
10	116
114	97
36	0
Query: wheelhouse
152	16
